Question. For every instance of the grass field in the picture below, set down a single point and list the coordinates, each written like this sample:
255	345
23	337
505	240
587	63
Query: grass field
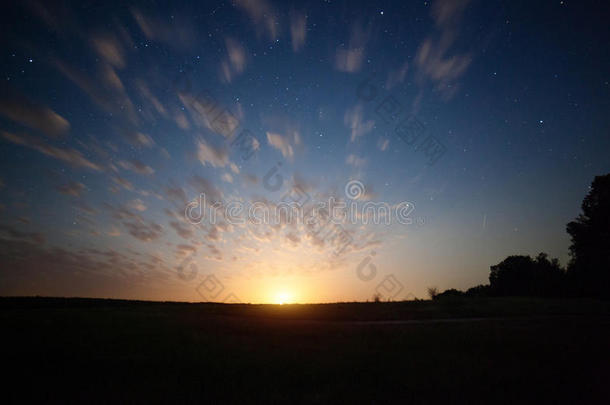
458	351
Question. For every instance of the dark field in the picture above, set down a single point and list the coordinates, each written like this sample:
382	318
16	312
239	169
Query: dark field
458	351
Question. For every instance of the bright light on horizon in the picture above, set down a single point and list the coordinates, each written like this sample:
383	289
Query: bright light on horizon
283	297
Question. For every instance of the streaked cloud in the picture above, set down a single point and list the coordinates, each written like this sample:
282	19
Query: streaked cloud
262	15
211	155
434	59
349	58
109	49
137	205
236	60
20	109
70	156
136	166
383	144
354	120
73	188
355	161
281	143
298	29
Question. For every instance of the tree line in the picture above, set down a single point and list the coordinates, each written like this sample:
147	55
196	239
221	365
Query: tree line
586	275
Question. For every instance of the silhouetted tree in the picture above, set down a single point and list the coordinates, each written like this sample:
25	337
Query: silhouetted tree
452	292
432	292
524	276
589	267
479	291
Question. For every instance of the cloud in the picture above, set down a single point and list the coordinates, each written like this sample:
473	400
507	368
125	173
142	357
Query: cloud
111	98
355	161
109	49
262	15
284	143
146	232
114	231
71	156
205	111
203	185
176	194
139	139
72	188
137	205
383	144
432	59
178	33
353	119
20	109
350	59
184	231
13	233
148	96
397	76
227	177
293	238
210	155
136	166
298	29
183	249
216	253
250	178
236	59
126	184
181	121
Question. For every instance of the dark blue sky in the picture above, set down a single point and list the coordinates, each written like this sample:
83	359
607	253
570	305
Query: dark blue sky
489	118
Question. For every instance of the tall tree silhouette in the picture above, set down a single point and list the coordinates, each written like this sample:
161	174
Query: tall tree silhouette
589	267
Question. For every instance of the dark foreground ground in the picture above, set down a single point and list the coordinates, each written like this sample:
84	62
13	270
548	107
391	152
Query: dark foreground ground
484	351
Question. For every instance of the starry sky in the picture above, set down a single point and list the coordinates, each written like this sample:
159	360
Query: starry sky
487	119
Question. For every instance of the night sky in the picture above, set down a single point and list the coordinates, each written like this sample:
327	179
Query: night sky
487	119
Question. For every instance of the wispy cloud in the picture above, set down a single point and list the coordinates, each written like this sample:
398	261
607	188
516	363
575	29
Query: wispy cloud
136	166
349	58
284	143
109	49
236	60
262	15
383	144
211	155
298	29
354	120
25	112
71	156
355	161
433	59
73	188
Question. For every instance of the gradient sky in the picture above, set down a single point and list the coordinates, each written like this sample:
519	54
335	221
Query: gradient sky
109	128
